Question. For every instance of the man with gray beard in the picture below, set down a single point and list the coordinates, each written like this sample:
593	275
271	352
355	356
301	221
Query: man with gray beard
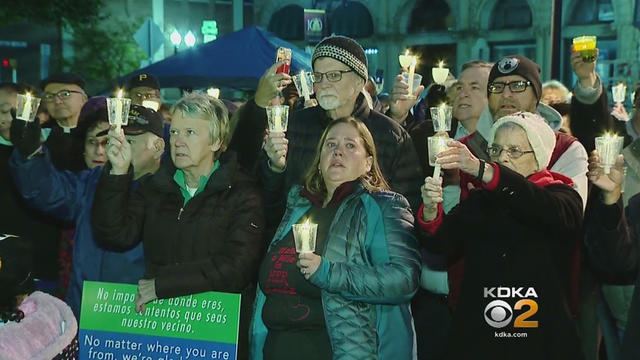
340	70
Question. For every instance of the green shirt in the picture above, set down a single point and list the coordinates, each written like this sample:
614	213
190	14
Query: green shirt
179	178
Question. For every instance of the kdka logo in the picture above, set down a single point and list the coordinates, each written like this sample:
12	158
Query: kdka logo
498	313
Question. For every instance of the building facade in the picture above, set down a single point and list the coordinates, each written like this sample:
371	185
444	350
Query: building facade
457	31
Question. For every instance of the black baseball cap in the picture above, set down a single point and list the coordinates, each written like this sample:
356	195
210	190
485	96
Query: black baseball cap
140	80
141	120
64	78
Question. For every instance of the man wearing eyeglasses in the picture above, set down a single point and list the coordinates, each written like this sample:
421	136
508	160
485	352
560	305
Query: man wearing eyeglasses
514	85
144	87
340	72
64	97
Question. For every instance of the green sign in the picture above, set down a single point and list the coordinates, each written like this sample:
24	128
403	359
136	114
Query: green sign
208	322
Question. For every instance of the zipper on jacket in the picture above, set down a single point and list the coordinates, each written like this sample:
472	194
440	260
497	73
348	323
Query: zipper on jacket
180	213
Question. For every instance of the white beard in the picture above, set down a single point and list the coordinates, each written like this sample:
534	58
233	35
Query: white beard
328	99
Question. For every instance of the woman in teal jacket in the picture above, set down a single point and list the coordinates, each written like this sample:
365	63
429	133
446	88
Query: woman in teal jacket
351	300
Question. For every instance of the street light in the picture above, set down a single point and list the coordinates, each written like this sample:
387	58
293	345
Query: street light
190	39
176	39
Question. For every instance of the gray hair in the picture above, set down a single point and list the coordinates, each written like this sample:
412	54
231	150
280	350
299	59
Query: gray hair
200	105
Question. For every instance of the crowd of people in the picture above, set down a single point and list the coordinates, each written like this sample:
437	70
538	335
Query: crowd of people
523	247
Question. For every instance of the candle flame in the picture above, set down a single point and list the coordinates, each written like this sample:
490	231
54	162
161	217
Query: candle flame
119	94
443	106
28	96
306	226
406	52
441	64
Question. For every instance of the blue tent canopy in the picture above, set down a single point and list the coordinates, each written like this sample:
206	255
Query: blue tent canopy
236	60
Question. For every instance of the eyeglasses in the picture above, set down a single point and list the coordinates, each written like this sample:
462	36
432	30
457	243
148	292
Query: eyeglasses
331	76
513	152
146	96
517	86
62	95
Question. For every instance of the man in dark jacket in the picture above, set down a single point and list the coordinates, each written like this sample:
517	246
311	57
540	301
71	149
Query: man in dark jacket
69	196
340	68
64	97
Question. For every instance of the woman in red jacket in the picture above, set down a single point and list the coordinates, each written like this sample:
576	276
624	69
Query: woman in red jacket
517	231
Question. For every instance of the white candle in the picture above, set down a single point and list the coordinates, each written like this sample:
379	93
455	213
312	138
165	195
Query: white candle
118	114
436	171
277	121
305	235
304	86
442	116
26	110
412	70
619	92
440	73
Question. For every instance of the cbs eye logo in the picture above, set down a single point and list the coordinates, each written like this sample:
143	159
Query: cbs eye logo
498	313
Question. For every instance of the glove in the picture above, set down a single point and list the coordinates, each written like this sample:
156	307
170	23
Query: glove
25	135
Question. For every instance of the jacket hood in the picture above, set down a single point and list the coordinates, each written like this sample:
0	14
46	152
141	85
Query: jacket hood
47	328
550	115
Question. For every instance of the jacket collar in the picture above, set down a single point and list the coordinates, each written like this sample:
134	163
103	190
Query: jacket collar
221	179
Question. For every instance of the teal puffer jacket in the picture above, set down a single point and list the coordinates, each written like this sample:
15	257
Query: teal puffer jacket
369	272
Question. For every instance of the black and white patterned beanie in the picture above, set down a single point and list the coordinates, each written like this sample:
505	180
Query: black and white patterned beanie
345	50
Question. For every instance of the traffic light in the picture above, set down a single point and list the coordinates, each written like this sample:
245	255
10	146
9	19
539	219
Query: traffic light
5	63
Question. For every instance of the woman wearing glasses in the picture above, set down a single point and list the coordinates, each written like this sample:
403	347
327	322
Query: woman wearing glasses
517	232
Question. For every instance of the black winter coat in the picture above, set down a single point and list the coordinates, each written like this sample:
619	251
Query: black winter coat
213	243
519	235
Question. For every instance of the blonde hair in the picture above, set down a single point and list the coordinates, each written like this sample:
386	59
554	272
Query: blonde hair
200	105
373	180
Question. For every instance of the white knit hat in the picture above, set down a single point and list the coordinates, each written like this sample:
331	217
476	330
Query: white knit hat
541	137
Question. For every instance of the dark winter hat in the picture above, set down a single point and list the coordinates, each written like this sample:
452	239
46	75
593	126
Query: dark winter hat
517	65
141	120
63	78
16	265
94	106
345	50
144	79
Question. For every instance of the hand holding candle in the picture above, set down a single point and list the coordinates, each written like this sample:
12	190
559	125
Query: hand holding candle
608	146
118	110
436	145
441	117
619	93
27	107
304	84
304	236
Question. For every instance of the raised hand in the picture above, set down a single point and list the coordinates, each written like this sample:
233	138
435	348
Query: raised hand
610	184
584	70
271	84
25	135
400	102
276	146
118	152
458	156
